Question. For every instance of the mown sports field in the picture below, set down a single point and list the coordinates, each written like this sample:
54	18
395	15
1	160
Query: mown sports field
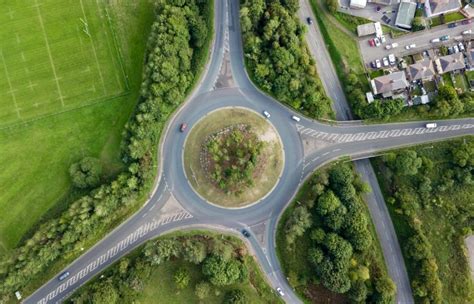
70	72
55	56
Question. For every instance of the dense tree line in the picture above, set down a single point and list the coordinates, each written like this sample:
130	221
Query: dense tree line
277	56
178	33
420	192
220	259
341	243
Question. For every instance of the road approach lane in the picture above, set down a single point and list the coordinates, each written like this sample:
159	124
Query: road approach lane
175	205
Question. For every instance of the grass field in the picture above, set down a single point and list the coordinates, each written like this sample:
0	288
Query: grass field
38	148
55	56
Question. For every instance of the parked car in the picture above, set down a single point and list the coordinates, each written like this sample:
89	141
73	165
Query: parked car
377	42
63	275
431	125
280	292
385	62
407	47
456	49
386	19
412	46
309	20
295	118
183	127
467	21
394	45
246	233
452	25
467	32
388	46
435	40
382	39
266	114
461	47
450	50
371	42
444	38
378	64
391	59
378	8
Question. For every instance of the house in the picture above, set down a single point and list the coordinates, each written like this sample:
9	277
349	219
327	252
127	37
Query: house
468	10
450	63
369	29
470	58
406	13
389	85
358	3
437	7
422	70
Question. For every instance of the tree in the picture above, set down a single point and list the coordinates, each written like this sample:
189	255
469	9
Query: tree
221	272
202	290
447	102
297	224
327	203
235	296
332	5
340	176
86	173
105	293
358	292
194	251
407	162
315	255
181	278
418	24
386	290
463	154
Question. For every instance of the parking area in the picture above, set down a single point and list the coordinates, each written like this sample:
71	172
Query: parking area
385	14
419	41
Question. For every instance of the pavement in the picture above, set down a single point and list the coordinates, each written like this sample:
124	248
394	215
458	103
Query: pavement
174	205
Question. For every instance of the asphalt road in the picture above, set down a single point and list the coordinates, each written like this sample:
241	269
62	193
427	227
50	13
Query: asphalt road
174	205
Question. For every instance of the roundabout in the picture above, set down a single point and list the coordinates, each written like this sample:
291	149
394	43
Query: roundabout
233	157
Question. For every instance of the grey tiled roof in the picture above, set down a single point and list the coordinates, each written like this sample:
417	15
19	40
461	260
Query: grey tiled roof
451	63
421	70
389	83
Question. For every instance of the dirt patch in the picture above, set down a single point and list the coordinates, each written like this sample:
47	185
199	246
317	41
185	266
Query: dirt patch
470	251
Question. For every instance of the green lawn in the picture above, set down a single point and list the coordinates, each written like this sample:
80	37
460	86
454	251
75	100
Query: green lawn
36	154
161	287
442	220
461	83
454	16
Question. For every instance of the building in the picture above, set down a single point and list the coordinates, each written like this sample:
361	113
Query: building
389	85
358	3
385	2
405	15
437	7
422	70
450	63
369	29
470	59
468	11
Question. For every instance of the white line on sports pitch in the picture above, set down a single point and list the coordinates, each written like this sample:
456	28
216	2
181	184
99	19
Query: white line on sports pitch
11	91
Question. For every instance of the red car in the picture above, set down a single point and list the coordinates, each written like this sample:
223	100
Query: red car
183	127
467	21
371	42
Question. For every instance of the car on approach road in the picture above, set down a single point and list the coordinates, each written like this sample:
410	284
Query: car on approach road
309	20
280	292
63	275
266	114
246	233
183	127
435	40
295	118
431	125
444	38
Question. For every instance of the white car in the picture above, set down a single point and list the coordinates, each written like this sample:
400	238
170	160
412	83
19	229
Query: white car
382	39
266	114
377	42
431	125
378	65
394	45
391	59
461	47
435	40
388	46
295	118
456	49
280	292
407	47
385	61
467	32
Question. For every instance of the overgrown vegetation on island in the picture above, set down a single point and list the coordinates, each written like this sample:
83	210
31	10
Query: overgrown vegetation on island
197	267
231	157
325	238
177	48
277	57
430	191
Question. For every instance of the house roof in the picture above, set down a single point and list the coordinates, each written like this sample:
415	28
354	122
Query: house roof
470	56
389	83
450	63
406	13
422	69
442	6
384	2
358	3
468	10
